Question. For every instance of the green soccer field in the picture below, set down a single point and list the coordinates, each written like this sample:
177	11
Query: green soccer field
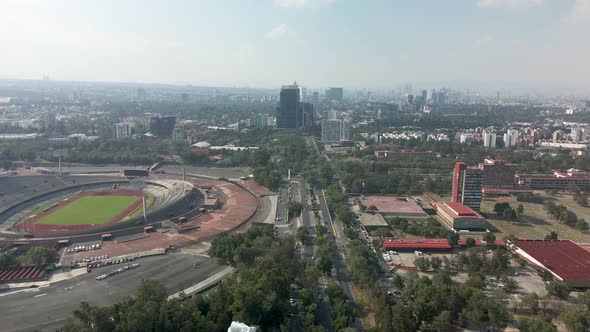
89	210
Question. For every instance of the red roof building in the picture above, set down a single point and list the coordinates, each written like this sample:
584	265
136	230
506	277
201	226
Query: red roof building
417	244
389	206
565	260
461	218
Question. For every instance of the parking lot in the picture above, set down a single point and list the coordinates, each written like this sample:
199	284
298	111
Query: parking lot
47	308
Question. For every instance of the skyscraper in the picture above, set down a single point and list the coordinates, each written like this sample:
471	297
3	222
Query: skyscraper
124	129
489	139
467	183
331	130
307	110
290	115
141	95
50	120
511	137
345	130
336	130
335	94
315	97
332	115
162	126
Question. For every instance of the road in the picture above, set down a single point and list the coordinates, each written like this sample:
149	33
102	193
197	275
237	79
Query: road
47	308
336	228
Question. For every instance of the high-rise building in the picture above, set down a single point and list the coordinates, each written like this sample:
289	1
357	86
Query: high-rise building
497	173
308	115
50	120
467	183
419	103
336	130
124	129
576	134
141	95
558	135
345	130
290	115
425	95
410	99
511	137
179	134
162	126
335	94
315	98
259	121
332	115
331	130
489	139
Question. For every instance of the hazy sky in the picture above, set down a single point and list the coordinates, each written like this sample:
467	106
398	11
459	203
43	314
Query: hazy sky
360	43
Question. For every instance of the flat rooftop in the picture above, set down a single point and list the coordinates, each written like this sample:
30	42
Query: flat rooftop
416	244
388	204
373	220
565	258
458	210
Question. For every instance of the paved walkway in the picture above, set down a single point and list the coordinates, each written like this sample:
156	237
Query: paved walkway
217	277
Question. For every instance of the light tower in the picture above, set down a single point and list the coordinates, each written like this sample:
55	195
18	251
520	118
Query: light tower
140	184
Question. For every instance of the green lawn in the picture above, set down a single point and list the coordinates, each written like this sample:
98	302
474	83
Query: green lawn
89	210
40	209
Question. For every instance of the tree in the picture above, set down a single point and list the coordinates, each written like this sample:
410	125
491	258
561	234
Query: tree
302	234
476	281
499	208
372	209
576	319
545	275
8	261
489	237
510	285
443	321
509	214
581	199
294	208
453	238
470	242
527	324
151	290
532	302
551	236
350	233
559	289
422	264
520	210
581	225
40	256
436	263
585	299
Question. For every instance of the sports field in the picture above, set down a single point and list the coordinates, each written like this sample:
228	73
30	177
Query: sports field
89	210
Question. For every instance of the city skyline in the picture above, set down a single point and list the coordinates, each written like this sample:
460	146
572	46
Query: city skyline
539	44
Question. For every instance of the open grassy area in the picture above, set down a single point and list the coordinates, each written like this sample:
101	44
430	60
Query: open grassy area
567	200
534	225
89	210
43	207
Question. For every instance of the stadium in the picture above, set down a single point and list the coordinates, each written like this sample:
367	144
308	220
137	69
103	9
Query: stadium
49	205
